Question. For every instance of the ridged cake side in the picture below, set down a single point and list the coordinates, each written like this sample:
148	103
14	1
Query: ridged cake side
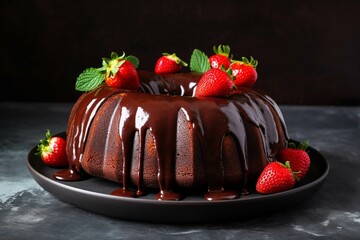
175	143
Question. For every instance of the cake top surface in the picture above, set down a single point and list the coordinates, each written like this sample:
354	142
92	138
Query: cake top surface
216	76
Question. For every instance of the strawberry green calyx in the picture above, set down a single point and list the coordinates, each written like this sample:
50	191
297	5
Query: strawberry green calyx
44	145
176	59
302	146
287	165
252	62
111	66
91	78
222	50
229	72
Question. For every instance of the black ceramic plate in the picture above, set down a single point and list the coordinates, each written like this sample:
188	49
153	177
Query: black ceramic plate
93	195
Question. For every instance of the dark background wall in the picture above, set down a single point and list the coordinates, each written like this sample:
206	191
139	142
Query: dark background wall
308	51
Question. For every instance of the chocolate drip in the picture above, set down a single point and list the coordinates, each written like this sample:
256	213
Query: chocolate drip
141	158
211	119
79	125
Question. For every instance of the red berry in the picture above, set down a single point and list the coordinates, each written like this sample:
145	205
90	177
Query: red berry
276	177
126	77
244	72
214	83
298	157
169	64
221	57
52	151
216	61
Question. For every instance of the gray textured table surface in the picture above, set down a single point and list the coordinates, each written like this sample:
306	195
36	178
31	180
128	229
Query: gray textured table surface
29	212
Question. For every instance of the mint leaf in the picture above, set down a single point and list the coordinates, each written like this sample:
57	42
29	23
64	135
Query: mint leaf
134	60
89	80
199	62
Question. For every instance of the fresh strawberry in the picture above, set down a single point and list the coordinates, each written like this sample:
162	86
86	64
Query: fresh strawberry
118	72
126	77
276	177
221	57
169	64
244	72
121	73
214	83
298	157
52	151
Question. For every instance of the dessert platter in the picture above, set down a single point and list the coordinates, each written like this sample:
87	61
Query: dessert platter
176	146
93	195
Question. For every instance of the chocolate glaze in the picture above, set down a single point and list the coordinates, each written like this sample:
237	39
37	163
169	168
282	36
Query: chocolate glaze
155	108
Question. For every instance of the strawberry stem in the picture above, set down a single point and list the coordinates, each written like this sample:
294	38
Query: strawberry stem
229	72
287	165
176	59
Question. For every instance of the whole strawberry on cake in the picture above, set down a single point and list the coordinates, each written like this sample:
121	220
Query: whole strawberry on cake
177	131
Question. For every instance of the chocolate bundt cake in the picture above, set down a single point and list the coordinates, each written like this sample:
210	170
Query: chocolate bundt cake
162	138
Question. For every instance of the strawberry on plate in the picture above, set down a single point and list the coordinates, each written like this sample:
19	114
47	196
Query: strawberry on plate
117	71
52	151
214	83
298	157
244	72
276	177
221	57
169	63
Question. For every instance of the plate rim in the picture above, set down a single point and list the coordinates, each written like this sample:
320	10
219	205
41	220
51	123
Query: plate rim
309	188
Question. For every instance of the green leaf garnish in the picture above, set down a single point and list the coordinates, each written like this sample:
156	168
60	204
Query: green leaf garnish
93	77
89	79
199	62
